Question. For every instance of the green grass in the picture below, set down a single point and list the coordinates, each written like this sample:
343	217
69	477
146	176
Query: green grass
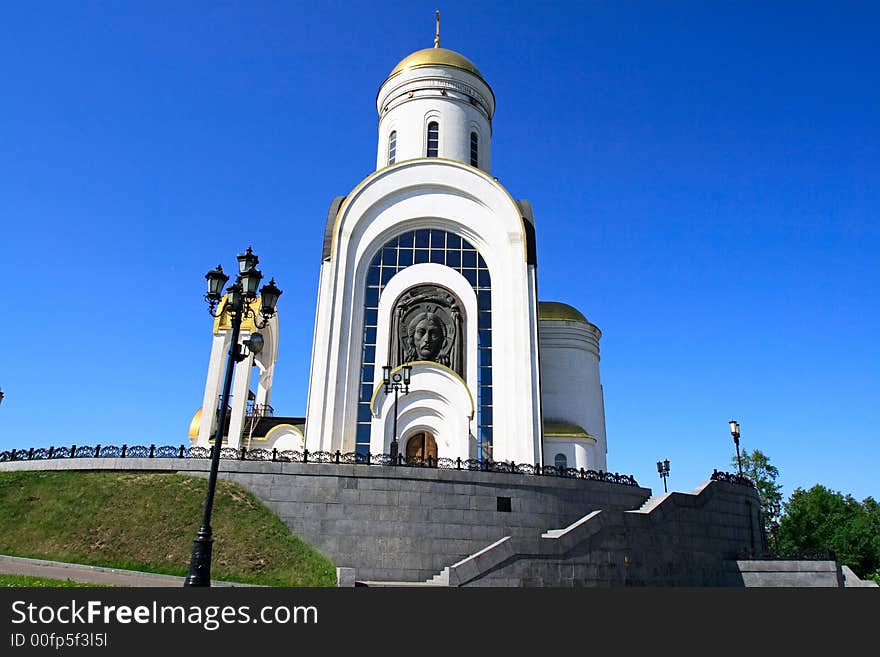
147	521
27	580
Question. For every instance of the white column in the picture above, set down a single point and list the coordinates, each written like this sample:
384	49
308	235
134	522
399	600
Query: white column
213	383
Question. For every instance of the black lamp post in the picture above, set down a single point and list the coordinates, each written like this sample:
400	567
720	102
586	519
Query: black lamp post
663	469
398	383
734	431
240	296
2	395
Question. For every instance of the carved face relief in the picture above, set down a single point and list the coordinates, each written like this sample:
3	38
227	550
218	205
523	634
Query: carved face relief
428	336
427	326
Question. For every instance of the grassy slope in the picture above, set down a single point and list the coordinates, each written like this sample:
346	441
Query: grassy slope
147	521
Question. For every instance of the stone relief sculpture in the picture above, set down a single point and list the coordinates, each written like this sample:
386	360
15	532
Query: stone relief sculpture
427	325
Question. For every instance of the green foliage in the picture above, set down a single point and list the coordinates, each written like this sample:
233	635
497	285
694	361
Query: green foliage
757	467
147	521
822	519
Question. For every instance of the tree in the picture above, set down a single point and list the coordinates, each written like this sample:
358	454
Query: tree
822	519
757	467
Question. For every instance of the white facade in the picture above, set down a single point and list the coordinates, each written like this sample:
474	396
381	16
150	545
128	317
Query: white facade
427	193
524	385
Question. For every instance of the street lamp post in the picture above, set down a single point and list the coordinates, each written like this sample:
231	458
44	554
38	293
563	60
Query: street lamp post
240	295
663	469
398	383
734	431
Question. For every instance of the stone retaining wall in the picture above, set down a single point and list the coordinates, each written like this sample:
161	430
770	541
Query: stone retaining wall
388	523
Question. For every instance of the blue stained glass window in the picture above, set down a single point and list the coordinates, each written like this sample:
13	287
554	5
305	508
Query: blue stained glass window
485	415
440	247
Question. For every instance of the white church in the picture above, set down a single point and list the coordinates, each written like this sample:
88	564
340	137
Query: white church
429	264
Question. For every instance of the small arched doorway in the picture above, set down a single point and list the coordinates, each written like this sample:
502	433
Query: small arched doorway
421	447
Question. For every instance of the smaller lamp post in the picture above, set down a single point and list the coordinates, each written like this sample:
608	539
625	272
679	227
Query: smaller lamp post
398	383
663	469
734	431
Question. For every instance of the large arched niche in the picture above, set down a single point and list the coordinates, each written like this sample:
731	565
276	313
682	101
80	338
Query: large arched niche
440	195
470	289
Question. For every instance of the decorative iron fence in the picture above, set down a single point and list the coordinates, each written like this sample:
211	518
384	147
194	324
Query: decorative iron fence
305	456
732	478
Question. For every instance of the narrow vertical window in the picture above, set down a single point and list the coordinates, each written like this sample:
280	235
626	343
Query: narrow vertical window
475	150
392	147
433	138
561	462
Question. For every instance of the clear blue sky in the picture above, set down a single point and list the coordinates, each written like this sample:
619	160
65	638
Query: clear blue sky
705	179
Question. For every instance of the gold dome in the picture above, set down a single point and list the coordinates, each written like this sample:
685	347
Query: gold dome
554	310
436	57
563	429
195	425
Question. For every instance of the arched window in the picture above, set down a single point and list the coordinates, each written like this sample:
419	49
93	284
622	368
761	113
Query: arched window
561	462
475	150
433	139
392	147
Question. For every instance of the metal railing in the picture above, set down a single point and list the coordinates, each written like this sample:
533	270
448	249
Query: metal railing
305	456
732	477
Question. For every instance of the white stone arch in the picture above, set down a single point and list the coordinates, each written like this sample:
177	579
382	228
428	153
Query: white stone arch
445	195
284	437
439	401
